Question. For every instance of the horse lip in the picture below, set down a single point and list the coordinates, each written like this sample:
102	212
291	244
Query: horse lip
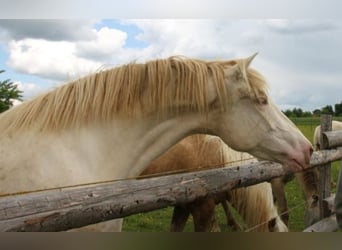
301	166
300	159
295	165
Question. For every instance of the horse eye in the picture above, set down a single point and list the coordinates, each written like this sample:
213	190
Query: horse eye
262	100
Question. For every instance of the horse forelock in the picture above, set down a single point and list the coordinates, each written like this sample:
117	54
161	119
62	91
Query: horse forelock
126	91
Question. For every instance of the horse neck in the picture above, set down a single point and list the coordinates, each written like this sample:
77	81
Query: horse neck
135	144
118	150
157	137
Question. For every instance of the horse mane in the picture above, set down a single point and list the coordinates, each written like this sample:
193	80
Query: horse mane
255	205
127	91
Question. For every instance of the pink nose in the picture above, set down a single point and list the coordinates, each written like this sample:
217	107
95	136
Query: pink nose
300	157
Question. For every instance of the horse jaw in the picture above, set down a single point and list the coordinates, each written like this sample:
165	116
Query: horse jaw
263	131
284	142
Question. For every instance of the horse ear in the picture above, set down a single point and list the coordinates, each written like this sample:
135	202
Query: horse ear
249	60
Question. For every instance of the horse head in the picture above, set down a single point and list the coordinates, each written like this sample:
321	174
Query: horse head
250	121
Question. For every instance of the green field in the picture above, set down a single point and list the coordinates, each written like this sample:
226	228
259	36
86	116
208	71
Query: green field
159	221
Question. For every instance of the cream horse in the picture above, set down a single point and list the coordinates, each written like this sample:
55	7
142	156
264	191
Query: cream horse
254	203
113	124
336	125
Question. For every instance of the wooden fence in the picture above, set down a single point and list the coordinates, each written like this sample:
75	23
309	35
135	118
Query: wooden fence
66	208
328	139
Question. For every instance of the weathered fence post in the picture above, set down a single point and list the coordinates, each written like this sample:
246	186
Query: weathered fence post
325	170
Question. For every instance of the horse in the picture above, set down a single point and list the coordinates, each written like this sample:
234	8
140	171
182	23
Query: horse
112	124
198	152
336	125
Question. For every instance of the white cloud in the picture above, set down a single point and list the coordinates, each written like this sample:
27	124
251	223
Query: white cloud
53	30
299	26
194	38
65	60
175	9
29	89
104	46
305	89
50	59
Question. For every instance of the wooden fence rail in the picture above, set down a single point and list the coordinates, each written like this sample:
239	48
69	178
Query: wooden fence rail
332	139
63	209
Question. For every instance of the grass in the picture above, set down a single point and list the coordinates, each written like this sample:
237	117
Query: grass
159	220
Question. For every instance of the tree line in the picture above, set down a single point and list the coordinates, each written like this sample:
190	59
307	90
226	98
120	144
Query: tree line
335	110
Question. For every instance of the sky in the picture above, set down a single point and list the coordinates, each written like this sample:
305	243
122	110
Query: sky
300	57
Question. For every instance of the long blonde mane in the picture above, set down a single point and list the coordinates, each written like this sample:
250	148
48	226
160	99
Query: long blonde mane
127	91
255	205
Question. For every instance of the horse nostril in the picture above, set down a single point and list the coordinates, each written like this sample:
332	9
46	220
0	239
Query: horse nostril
311	150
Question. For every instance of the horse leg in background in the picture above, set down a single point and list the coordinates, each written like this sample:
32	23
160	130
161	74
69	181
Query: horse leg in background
231	222
203	213
180	216
278	190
